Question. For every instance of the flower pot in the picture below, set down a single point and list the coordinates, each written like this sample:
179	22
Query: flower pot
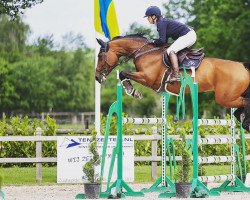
92	190
183	190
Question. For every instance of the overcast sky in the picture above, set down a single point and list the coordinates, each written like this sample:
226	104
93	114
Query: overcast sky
59	17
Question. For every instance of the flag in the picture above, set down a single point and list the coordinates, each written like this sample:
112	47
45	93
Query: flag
106	25
105	18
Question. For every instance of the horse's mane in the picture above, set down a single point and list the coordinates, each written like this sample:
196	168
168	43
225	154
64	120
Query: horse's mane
139	36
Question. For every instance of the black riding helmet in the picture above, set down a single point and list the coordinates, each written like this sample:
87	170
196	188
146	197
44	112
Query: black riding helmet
153	10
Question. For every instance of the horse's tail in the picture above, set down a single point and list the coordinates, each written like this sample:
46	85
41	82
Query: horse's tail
247	65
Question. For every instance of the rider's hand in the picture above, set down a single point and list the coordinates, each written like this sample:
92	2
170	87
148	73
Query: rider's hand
158	42
151	41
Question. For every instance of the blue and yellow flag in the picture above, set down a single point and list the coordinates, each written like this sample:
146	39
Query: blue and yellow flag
105	18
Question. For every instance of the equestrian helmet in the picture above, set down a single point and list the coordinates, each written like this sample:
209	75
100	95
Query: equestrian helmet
153	10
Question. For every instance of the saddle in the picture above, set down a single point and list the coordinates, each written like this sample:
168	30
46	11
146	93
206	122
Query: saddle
187	58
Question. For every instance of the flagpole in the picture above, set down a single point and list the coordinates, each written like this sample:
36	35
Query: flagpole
97	99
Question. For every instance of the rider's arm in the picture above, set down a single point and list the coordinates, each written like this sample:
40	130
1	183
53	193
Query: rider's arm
161	28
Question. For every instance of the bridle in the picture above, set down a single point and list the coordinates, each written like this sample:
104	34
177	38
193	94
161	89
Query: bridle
104	70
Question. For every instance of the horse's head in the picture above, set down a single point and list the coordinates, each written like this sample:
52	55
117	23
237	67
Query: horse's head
107	61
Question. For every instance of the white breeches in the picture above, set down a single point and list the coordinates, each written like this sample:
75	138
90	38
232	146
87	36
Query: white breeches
182	42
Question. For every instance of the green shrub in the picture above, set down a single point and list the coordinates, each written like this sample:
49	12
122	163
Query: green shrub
18	126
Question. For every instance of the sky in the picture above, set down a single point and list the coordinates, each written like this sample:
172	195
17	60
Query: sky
59	17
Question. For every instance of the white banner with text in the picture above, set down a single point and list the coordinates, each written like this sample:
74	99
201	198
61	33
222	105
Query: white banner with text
73	153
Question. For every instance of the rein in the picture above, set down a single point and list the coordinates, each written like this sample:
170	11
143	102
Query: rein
133	55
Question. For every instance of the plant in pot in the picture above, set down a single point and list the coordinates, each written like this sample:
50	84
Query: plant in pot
183	173
93	183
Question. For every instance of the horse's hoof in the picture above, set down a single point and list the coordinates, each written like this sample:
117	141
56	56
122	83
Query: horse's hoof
238	114
242	117
246	125
138	94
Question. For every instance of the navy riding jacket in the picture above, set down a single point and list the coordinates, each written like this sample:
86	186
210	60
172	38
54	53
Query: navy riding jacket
169	28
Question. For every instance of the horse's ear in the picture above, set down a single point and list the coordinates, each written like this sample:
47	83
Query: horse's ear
102	43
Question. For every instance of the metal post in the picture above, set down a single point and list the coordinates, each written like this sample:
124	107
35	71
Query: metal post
195	130
163	140
232	127
119	131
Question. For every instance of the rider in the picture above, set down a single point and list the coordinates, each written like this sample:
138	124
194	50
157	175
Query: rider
183	35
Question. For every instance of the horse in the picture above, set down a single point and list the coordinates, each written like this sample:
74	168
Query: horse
230	80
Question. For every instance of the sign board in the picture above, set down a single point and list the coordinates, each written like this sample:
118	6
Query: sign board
73	153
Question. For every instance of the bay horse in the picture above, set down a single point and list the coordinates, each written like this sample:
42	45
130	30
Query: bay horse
230	80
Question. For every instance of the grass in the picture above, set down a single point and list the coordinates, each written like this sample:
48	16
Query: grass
26	176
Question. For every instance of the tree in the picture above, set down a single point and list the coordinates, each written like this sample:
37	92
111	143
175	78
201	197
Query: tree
13	35
40	76
180	10
13	8
7	85
223	27
137	28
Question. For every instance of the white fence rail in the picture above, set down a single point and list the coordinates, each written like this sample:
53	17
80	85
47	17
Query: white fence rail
39	159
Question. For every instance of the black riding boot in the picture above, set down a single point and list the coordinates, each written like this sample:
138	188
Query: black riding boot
175	68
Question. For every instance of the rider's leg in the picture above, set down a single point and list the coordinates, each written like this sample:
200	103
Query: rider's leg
181	43
174	61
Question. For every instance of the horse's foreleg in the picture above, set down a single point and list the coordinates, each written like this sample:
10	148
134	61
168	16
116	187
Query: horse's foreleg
125	78
127	85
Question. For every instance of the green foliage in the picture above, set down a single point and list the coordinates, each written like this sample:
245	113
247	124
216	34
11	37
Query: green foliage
1	181
222	26
225	30
89	167
14	8
136	28
26	127
183	171
13	35
41	76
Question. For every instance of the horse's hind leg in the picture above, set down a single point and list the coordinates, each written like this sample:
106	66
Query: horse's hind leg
127	85
242	114
243	104
246	114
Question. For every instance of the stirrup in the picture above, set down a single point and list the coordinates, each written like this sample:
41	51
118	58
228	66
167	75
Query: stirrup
174	79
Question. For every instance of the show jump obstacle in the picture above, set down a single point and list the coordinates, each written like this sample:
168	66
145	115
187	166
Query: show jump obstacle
165	184
1	195
232	182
